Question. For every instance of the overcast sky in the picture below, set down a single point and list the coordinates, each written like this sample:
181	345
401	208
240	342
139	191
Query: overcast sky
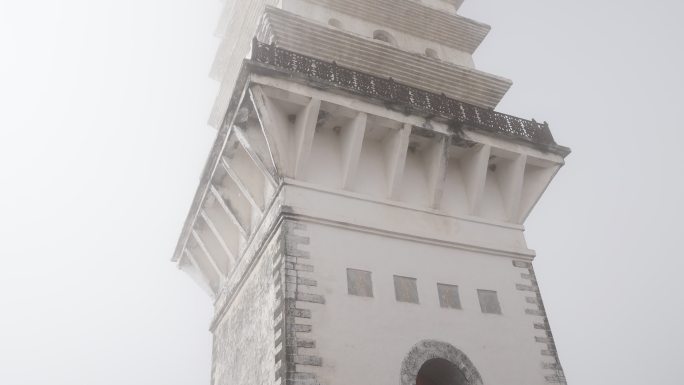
103	137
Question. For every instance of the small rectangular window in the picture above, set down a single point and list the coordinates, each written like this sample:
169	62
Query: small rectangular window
359	283
448	296
406	289
489	301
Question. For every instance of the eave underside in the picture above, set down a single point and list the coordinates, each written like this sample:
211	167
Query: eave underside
269	138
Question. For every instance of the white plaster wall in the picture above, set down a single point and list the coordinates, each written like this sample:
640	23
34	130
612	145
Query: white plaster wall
326	151
455	197
364	340
413	186
395	218
352	24
493	204
371	178
324	167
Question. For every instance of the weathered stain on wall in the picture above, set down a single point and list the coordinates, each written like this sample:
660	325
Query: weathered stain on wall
243	341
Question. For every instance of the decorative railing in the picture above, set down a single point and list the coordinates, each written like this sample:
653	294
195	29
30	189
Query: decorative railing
409	98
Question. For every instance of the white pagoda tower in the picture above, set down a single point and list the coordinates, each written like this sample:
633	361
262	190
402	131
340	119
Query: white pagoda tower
360	217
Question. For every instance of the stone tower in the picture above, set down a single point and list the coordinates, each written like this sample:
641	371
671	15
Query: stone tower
360	217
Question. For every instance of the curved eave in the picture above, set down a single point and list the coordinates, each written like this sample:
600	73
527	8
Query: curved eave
298	34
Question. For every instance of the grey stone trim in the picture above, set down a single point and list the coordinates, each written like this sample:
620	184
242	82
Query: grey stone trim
300	313
299	328
522	287
542	326
556	376
556	379
304	343
306	297
429	349
302	379
525	265
299	267
300	280
306	360
536	312
295	290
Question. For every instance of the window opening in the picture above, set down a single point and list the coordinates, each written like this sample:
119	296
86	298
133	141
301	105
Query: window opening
406	289
448	296
359	283
489	301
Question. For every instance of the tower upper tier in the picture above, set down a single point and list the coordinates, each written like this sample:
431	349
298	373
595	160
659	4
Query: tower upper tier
361	113
424	44
358	147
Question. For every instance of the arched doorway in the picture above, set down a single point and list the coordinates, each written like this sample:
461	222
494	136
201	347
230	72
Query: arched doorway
439	371
433	362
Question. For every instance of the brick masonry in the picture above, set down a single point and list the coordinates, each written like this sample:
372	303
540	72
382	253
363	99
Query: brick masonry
243	337
296	292
549	355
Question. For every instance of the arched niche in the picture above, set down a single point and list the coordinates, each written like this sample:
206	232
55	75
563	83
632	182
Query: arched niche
384	36
431	358
335	23
431	53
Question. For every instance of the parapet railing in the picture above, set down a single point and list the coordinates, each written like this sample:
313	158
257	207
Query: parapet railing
410	98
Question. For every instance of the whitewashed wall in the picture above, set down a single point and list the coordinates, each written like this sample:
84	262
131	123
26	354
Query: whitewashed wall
364	340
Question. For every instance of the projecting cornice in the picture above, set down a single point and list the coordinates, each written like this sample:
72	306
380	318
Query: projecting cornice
415	19
298	34
402	97
321	131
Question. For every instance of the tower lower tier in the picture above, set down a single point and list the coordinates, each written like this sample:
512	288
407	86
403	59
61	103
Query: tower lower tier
329	302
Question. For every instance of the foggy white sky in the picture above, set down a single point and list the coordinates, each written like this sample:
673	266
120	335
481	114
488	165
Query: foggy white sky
103	137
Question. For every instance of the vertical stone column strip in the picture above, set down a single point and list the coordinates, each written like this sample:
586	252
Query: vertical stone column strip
550	361
296	292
